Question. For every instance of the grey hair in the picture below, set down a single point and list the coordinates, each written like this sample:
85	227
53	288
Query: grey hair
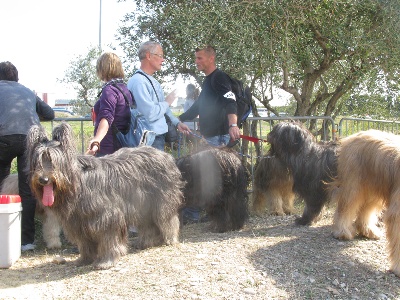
94	209
148	46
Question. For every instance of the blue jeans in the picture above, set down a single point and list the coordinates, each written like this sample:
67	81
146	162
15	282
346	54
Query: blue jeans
14	146
191	214
159	142
218	140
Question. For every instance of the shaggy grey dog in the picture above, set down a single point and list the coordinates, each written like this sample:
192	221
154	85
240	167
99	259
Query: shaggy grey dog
96	199
311	164
217	182
273	187
51	227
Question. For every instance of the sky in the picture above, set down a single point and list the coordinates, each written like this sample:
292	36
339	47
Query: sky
41	37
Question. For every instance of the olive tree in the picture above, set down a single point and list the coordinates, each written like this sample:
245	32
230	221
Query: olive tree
81	75
318	51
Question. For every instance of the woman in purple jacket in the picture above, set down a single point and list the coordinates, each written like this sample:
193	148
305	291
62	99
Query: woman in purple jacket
112	106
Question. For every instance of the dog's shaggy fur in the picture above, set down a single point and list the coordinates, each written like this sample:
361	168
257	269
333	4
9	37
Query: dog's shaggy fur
96	199
51	227
311	164
273	188
217	182
368	180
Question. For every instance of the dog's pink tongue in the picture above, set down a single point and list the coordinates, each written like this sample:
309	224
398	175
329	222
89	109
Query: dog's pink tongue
48	196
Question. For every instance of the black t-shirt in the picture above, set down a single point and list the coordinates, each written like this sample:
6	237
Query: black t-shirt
215	102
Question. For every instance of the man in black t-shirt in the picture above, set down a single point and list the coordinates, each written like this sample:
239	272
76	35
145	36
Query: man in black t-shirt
216	108
216	105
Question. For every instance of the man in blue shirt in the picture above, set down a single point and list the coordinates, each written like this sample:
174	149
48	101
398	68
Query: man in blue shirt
149	95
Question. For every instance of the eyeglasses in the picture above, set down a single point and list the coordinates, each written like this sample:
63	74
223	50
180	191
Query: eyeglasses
156	54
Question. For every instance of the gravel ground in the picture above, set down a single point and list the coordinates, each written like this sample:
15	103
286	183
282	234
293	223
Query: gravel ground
270	258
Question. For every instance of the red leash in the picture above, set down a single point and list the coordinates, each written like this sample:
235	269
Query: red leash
252	139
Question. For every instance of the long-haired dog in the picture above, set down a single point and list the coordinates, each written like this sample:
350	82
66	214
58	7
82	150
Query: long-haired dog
368	181
216	181
51	227
273	187
96	199
311	164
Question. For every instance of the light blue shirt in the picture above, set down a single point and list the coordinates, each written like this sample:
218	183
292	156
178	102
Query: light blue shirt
148	105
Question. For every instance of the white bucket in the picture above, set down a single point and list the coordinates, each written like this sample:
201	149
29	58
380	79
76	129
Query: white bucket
10	229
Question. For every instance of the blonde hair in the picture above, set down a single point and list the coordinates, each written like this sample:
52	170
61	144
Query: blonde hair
109	66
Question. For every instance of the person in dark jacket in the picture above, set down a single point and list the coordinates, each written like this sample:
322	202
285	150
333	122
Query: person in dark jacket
216	108
216	105
20	109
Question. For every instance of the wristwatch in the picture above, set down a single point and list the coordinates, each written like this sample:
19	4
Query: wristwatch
232	125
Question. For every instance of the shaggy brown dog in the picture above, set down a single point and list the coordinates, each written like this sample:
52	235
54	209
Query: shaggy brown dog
217	182
368	180
273	187
51	226
96	199
311	164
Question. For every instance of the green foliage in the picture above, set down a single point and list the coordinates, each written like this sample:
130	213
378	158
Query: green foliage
318	51
375	106
82	76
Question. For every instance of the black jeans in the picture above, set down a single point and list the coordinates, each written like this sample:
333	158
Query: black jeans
14	146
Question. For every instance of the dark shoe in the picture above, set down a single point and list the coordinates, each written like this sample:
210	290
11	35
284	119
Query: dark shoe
204	219
72	250
132	231
28	247
187	221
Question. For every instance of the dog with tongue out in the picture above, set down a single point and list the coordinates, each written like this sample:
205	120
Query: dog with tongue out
96	199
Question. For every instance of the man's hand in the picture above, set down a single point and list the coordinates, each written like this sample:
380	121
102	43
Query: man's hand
182	127
234	133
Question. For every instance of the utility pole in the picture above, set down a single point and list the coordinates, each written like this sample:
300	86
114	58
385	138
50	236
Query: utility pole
100	27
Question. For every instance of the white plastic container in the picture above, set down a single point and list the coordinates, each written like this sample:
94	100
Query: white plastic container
10	229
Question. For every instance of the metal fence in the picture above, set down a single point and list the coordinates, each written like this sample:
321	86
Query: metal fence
348	126
323	128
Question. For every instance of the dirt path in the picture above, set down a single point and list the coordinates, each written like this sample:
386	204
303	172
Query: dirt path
269	259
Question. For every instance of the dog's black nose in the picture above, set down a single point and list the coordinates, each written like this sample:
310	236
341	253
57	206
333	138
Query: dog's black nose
44	180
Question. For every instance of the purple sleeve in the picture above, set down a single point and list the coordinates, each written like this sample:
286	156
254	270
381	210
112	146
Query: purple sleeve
107	103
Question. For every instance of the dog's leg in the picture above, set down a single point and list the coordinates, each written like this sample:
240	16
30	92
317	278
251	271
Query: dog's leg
312	210
51	229
87	252
275	202
349	199
287	202
219	217
110	250
392	222
259	201
237	207
148	235
170	231
368	218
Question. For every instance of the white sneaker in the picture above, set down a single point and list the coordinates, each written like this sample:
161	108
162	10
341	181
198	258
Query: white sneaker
28	247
